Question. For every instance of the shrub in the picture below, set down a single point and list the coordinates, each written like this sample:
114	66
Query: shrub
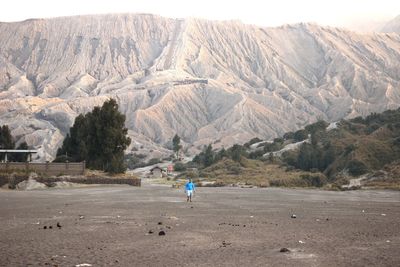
234	169
290	158
179	166
300	135
289	135
348	149
252	141
256	154
314	180
317	126
191	175
272	147
372	128
277	182
153	161
134	161
356	167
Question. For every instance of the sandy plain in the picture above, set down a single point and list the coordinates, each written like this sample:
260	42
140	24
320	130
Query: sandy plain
120	226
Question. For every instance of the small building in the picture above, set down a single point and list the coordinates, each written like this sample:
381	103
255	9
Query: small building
170	169
156	172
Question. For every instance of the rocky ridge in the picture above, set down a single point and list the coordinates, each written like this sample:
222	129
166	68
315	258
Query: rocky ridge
209	82
392	26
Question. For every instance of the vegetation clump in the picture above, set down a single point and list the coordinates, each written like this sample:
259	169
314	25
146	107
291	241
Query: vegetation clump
319	156
98	137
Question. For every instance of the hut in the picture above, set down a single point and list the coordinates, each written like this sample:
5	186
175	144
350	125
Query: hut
156	172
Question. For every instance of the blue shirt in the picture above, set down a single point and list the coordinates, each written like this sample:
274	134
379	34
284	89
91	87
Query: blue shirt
189	186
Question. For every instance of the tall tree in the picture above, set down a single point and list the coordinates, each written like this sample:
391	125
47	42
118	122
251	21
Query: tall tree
99	137
236	152
112	136
176	145
6	140
208	156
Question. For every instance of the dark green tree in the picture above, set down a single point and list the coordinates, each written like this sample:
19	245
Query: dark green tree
329	155
99	137
236	152
21	157
320	125
222	153
356	167
6	140
208	156
74	147
252	141
300	135
258	154
176	145
304	157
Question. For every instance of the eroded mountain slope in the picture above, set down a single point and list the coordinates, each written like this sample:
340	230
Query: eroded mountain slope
209	82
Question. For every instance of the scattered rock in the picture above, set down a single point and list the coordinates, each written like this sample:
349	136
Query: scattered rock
301	242
151	231
161	233
58	225
284	250
159	223
224	243
81	217
293	216
30	184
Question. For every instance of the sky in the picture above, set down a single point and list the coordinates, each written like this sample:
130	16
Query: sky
341	13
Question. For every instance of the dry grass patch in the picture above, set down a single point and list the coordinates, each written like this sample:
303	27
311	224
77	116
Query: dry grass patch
257	173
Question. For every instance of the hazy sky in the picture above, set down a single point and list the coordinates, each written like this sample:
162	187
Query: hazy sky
358	13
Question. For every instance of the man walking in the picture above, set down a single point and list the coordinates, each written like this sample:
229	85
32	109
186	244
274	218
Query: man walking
189	188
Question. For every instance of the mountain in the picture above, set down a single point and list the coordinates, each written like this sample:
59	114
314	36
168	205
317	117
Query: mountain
209	82
392	26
